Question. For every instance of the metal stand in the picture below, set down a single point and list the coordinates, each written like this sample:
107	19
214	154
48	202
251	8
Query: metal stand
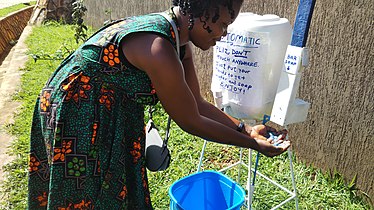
251	185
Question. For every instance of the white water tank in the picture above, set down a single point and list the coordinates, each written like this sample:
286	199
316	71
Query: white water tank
247	64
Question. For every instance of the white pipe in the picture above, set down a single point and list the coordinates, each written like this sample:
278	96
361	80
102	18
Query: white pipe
292	174
201	156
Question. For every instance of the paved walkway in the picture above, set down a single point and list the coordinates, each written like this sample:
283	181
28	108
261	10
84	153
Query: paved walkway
8	3
9	84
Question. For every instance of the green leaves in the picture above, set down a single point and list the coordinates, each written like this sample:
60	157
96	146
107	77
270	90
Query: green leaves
79	10
59	54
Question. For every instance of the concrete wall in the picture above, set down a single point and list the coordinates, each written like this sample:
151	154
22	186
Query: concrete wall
339	132
11	28
97	10
340	86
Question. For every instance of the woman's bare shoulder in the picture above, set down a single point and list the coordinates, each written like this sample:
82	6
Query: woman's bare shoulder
145	50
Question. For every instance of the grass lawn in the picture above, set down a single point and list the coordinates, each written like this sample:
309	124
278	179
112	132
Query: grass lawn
5	11
316	189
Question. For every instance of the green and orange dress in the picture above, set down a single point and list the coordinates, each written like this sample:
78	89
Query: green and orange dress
88	138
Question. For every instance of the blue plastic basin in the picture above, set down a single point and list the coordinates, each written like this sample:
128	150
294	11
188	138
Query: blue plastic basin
207	190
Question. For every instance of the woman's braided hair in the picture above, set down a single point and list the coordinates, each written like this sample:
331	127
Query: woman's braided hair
201	9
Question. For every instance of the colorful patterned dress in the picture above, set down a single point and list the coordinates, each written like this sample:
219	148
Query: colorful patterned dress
87	139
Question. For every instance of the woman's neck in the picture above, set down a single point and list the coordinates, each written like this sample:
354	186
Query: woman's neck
183	25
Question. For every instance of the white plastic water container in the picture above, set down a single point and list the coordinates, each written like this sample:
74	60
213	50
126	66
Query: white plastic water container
247	64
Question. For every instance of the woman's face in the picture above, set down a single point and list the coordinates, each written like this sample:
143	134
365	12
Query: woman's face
201	38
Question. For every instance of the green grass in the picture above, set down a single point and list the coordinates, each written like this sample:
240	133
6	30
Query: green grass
317	190
5	11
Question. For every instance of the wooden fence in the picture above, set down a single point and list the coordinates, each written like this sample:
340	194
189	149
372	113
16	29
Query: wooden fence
339	133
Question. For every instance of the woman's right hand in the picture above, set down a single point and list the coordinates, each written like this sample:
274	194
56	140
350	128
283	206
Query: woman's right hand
268	149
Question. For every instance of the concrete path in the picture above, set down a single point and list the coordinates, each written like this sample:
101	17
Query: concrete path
8	3
9	84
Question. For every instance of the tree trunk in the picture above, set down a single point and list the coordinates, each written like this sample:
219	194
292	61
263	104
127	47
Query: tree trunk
59	10
39	13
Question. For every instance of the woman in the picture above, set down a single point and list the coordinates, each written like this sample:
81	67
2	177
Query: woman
87	140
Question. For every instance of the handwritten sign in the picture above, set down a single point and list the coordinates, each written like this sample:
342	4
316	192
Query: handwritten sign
237	62
292	59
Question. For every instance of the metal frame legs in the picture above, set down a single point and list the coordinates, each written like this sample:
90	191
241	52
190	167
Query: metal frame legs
251	185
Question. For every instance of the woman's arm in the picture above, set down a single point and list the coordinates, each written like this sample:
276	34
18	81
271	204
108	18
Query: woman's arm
209	110
157	57
206	109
